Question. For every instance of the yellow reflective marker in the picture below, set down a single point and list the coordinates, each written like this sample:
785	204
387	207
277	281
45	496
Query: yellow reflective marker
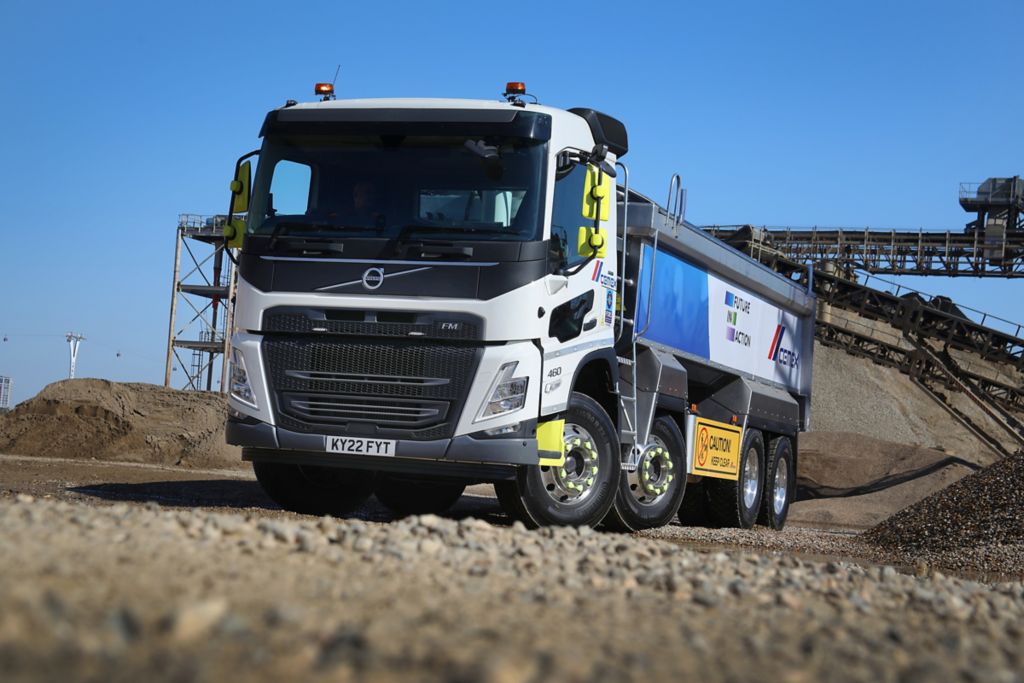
551	443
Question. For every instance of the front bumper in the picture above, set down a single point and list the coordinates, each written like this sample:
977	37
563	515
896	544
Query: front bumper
252	433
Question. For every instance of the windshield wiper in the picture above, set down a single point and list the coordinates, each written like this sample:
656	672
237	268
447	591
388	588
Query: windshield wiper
414	228
314	245
276	234
440	248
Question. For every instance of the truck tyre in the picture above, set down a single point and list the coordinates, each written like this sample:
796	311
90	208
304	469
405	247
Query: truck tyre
694	510
412	496
737	503
650	497
315	490
581	491
779	483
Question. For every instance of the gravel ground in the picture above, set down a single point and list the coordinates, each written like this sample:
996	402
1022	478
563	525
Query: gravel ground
989	563
123	592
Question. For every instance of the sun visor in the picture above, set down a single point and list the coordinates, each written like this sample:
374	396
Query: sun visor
340	121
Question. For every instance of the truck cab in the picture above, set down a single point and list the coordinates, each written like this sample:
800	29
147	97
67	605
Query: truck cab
429	294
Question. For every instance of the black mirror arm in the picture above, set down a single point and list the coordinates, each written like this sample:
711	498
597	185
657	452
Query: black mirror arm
572	271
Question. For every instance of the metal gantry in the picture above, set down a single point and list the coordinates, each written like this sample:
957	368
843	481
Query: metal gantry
893	252
202	292
991	245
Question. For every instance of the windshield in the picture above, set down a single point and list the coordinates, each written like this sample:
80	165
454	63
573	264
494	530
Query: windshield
396	186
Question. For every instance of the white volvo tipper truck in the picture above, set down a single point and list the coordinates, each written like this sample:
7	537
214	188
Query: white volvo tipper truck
433	293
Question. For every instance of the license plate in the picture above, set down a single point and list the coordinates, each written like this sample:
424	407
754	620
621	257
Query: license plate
357	446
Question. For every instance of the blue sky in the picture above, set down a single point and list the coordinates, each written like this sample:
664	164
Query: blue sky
121	115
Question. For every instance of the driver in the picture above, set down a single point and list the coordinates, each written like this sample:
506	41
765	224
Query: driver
366	204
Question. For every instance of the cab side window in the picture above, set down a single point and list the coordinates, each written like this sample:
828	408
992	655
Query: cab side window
567	211
290	188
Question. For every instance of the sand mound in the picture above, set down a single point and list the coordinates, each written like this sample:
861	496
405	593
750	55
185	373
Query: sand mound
857	395
92	418
854	481
984	509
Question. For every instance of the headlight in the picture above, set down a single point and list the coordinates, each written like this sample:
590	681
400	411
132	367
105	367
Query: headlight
508	393
239	380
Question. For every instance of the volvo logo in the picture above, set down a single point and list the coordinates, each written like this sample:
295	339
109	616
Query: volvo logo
373	278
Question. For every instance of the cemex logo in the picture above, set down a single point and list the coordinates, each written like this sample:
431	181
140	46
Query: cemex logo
786	357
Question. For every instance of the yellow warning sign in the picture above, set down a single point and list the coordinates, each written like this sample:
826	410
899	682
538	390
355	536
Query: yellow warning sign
716	449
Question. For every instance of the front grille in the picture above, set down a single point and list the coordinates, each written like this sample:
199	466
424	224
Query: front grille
328	408
397	388
454	326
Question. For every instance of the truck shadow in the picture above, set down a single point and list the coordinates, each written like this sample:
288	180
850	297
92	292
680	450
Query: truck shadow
241	495
807	489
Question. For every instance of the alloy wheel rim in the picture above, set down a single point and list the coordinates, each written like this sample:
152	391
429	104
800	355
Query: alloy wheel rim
649	483
781	486
751	478
573	481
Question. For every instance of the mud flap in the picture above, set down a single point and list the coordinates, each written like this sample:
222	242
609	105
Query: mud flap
550	443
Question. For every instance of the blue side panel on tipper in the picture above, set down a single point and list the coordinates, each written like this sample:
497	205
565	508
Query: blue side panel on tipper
679	310
709	317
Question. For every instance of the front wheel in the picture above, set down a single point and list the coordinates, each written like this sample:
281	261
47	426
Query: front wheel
581	490
315	490
651	496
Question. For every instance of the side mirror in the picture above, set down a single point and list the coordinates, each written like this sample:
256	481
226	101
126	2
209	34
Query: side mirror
591	242
234	233
597	196
240	187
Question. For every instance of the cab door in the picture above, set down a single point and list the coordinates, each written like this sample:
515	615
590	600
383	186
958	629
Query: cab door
581	316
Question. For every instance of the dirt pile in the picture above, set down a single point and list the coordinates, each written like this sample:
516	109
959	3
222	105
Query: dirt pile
853	481
92	418
980	511
861	397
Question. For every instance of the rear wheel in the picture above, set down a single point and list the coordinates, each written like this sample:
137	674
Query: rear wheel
737	503
581	490
411	496
651	496
315	490
779	483
694	510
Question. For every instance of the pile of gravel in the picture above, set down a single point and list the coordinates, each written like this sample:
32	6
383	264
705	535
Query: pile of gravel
983	510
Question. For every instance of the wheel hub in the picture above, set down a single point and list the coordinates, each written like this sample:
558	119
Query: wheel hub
573	481
650	481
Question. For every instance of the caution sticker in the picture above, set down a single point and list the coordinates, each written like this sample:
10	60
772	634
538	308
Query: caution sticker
716	449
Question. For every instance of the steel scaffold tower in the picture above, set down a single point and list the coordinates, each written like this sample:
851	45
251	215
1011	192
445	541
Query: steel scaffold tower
202	293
